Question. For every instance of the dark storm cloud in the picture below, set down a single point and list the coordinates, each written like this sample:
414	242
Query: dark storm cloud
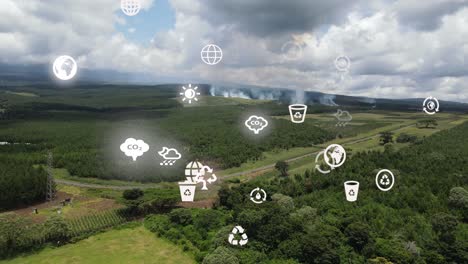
426	15
273	17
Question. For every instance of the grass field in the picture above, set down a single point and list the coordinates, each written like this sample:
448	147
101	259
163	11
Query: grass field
130	245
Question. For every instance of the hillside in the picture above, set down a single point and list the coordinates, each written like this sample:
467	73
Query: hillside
128	245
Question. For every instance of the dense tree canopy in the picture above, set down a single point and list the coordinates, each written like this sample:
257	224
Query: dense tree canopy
20	183
421	220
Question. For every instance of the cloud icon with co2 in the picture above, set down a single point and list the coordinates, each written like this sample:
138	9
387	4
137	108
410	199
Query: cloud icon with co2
134	148
256	123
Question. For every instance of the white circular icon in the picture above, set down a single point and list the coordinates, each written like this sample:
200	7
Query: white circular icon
291	50
334	155
211	54
317	165
258	195
130	7
65	67
431	105
342	63
384	180
240	232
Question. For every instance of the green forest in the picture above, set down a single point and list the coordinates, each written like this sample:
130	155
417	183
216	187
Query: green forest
21	183
307	219
84	135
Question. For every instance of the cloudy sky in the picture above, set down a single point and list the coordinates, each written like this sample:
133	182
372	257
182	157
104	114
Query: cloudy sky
402	48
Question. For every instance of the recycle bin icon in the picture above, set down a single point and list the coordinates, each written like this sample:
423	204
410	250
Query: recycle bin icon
298	113
351	190
187	191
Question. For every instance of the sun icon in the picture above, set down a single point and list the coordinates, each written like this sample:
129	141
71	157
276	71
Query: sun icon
189	93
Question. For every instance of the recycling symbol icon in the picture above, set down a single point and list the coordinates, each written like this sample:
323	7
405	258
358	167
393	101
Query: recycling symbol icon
351	193
238	231
187	192
385	180
298	115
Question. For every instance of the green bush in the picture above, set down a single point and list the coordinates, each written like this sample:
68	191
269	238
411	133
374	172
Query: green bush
132	194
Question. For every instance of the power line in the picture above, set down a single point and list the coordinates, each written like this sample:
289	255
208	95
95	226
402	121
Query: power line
50	193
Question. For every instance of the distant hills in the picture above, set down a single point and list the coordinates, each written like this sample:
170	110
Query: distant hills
40	74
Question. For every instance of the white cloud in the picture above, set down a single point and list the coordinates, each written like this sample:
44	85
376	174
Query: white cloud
390	55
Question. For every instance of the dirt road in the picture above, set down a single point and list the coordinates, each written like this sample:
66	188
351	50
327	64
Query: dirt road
252	171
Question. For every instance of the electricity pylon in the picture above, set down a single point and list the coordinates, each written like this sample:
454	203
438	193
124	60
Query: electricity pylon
50	193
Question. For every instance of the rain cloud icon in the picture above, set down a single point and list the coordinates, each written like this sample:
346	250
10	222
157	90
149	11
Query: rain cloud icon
344	117
170	156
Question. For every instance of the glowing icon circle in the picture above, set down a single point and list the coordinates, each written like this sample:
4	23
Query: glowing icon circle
130	7
65	67
211	54
431	105
189	93
384	180
334	155
342	63
258	195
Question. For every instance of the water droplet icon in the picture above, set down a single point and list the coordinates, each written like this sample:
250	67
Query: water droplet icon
258	196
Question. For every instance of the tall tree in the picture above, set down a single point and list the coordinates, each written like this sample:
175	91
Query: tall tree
282	167
386	137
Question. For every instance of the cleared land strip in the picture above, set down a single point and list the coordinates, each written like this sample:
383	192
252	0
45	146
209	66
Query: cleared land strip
263	168
101	186
271	166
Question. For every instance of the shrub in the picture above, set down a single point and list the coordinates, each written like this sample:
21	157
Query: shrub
132	194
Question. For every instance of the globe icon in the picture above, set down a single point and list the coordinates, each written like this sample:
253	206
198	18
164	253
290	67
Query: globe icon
192	170
65	67
130	7
211	54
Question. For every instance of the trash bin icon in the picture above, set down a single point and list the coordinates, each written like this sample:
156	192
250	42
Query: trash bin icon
351	190
298	113
187	191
